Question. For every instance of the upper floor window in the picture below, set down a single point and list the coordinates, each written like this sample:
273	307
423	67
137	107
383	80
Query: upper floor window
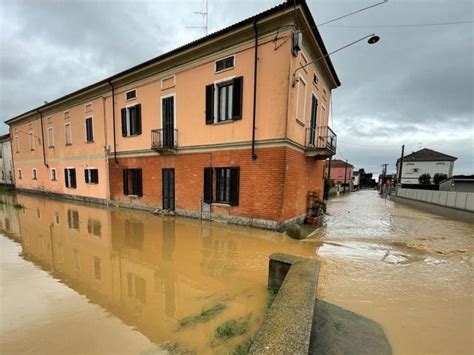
50	137
315	79
224	100
34	174
31	140
130	95
67	134
91	175
17	143
89	130
301	100
131	121
70	178
224	64
132	182
88	108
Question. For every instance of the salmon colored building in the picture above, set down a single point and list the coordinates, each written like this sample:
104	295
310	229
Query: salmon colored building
341	172
233	126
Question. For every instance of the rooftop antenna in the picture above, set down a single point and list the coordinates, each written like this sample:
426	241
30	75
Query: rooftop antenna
205	16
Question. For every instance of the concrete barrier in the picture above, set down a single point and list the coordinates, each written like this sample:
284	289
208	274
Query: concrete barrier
459	200
288	324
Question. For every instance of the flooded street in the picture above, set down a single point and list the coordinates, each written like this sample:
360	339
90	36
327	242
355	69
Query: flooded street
78	278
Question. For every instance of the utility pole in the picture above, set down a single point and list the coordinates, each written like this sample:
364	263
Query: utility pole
345	176
401	165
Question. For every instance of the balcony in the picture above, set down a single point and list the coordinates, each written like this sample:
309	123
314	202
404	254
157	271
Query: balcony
320	142
164	140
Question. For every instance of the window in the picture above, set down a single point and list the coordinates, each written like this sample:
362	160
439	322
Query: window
91	175
17	143
70	178
73	219
226	185
89	130
19	174
94	227
34	174
224	101
53	174
67	134
50	137
130	95
134	234
132	182
97	270
131	121
136	287
301	100
31	140
88	108
315	79
224	64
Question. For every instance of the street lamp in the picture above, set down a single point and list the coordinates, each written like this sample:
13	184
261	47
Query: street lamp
372	39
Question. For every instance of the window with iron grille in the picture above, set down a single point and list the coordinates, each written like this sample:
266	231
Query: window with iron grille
132	182
225	63
226	185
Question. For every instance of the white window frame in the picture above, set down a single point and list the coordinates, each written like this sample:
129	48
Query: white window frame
166	78
88	173
85	129
216	97
51	141
55	174
89	104
68	168
34	174
133	98
222	58
65	135
127	120
301	79
31	139
174	109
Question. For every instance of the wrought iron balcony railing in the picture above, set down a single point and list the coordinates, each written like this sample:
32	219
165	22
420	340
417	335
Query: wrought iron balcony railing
321	138
164	139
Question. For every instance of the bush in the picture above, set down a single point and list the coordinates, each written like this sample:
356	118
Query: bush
425	179
437	178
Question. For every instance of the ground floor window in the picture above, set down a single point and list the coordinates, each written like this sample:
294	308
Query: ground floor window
132	182
91	176
70	178
225	185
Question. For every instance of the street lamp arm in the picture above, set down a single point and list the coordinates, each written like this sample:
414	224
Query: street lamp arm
372	39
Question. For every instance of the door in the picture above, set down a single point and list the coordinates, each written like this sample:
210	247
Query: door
167	105
168	189
312	125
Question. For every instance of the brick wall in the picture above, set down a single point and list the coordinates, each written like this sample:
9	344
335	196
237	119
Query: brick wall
278	173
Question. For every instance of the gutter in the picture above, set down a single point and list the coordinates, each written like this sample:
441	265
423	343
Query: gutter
42	139
254	155
113	119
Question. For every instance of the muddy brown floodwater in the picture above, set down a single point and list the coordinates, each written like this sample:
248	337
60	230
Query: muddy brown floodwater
83	279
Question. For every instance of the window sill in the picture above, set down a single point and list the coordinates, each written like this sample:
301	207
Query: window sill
89	142
71	188
92	183
222	122
68	144
51	147
54	180
223	70
132	136
133	196
221	204
32	150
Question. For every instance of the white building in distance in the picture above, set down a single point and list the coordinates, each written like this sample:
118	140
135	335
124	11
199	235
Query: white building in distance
425	161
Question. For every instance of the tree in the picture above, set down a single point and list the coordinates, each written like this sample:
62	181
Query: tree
438	177
424	179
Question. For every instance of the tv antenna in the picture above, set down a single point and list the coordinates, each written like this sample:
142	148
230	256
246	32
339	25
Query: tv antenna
205	16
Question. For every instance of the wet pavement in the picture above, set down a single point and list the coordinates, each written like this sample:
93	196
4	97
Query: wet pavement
77	278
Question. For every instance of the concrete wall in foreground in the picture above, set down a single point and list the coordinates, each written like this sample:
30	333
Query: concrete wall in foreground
457	200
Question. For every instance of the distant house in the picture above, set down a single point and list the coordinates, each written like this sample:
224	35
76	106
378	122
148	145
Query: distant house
425	161
6	164
458	183
341	173
355	179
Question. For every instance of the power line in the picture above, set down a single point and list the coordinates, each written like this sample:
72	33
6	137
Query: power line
352	13
405	25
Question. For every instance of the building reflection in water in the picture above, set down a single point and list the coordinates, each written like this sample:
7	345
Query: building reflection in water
146	270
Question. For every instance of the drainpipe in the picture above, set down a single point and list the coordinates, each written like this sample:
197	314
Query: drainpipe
42	139
113	119
254	155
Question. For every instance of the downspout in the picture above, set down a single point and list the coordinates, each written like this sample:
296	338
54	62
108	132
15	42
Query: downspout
254	155
42	139
113	120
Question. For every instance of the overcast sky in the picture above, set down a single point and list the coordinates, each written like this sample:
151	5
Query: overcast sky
415	87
